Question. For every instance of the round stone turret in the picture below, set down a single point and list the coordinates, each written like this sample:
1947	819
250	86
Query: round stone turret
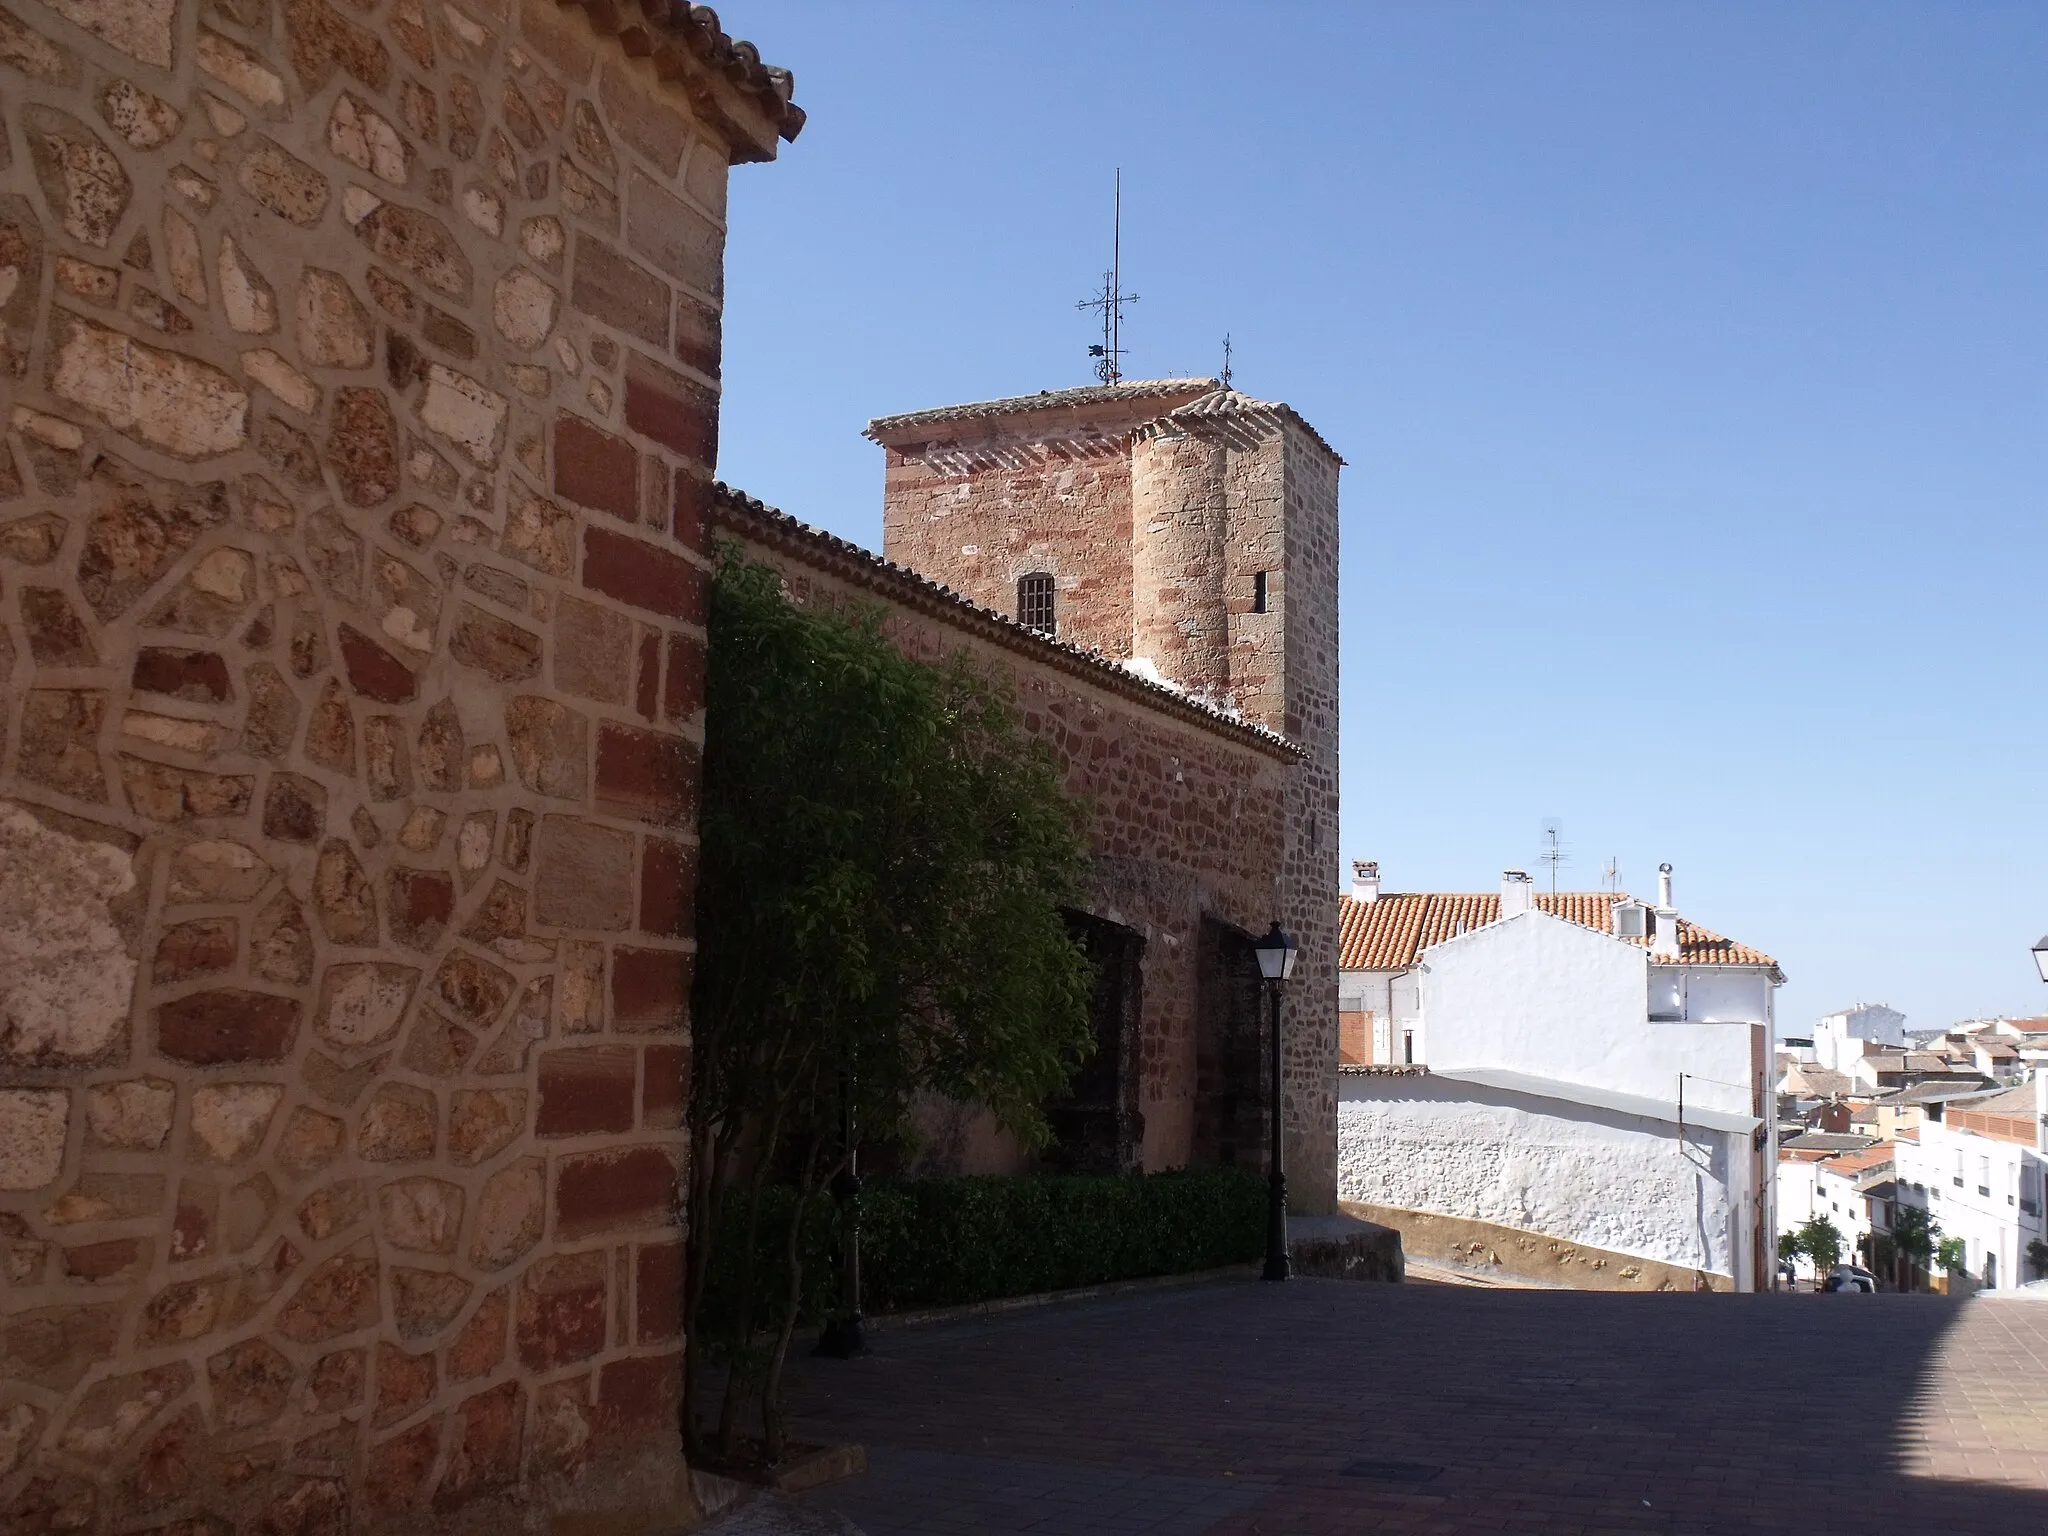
1179	522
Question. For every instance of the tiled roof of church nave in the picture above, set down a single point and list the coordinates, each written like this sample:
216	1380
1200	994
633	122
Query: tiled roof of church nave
1387	934
841	557
697	28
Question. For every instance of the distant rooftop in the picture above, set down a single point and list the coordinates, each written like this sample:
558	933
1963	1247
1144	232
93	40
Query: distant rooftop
1387	933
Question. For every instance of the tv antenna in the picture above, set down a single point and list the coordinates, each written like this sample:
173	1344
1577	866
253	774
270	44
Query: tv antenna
1109	352
1554	851
1226	359
1610	875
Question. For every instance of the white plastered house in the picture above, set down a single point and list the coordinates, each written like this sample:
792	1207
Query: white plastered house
1583	1067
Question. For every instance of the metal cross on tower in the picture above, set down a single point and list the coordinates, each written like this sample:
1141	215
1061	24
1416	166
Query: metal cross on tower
1108	353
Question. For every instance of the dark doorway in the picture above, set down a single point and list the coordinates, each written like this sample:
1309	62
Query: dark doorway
1097	1127
1230	1086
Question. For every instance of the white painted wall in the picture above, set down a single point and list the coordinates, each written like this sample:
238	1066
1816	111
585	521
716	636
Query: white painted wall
1540	995
1587	1175
1949	1173
1873	1022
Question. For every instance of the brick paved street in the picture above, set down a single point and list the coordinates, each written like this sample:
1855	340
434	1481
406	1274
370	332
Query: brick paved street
1236	1408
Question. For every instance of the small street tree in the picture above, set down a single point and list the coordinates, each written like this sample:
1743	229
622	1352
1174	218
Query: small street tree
1821	1241
1952	1256
885	857
1913	1236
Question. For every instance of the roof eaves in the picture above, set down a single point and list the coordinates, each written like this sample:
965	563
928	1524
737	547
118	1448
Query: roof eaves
696	31
864	567
1045	400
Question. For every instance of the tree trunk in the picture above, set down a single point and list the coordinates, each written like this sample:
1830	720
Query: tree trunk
774	1431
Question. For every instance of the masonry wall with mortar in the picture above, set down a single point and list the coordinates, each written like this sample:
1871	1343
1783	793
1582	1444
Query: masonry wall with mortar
1188	809
362	378
1189	495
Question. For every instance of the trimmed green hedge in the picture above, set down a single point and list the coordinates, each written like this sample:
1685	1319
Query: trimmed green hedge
944	1242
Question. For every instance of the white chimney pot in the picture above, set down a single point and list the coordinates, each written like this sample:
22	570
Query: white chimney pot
1517	893
1365	881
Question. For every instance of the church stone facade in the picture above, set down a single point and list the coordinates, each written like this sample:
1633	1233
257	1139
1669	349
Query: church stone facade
1189	532
361	368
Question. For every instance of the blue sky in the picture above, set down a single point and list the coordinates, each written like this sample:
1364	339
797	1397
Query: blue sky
1690	361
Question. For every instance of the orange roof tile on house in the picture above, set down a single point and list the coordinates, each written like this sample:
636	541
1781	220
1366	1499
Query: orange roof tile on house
1387	933
1849	1164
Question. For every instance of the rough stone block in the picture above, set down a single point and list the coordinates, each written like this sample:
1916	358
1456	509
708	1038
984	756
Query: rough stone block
668	888
585	1090
550	744
616	291
665	1086
511	1212
642	575
421	1215
496	647
561	1309
650	988
617	1190
226	1025
586	875
674	237
33	1124
649	776
337	1297
639	1392
658	1293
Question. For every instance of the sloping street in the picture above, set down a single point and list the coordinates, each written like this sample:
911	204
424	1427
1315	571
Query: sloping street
1325	1407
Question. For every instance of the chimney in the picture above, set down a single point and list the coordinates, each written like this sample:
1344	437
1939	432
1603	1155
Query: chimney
1517	893
1365	881
1664	940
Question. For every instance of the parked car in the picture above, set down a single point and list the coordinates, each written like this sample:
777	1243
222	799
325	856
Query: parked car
1847	1277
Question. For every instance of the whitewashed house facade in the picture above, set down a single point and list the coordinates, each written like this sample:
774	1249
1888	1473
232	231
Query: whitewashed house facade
1581	1066
1980	1171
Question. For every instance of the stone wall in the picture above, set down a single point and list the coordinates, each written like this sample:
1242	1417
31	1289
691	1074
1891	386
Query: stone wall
1190	493
988	500
1188	806
362	370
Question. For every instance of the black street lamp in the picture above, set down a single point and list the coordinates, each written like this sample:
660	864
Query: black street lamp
845	1335
1276	953
2041	956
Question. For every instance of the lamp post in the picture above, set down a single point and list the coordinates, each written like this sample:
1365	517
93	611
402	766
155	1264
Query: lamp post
2041	956
846	1334
1276	953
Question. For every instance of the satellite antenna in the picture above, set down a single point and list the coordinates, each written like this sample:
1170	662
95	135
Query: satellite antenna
1109	352
1554	851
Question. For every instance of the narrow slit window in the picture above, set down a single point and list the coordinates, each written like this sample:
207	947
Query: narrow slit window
1035	603
1258	592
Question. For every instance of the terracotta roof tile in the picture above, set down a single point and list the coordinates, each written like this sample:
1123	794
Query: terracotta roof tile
740	513
1183	399
1187	390
640	25
1387	934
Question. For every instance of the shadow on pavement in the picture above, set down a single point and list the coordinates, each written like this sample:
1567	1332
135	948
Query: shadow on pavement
1324	1406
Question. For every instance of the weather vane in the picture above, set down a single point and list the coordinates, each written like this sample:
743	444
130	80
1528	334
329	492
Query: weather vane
1109	352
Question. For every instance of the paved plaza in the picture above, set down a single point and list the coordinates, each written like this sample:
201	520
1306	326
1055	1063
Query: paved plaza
1234	1408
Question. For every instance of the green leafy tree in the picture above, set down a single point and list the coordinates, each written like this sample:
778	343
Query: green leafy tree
1821	1241
1788	1246
1914	1232
1951	1255
885	858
